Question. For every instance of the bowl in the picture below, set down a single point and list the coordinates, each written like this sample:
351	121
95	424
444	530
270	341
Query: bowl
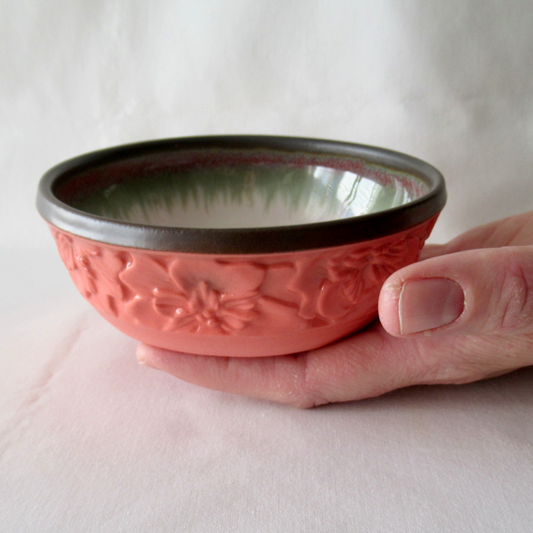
239	245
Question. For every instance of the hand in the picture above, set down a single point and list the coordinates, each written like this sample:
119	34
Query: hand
463	313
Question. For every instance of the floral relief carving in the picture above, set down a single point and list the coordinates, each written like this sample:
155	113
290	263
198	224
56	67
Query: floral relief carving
246	295
202	296
77	261
354	276
364	268
333	287
94	271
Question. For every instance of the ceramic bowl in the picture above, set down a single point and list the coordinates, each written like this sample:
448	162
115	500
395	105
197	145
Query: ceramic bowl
239	245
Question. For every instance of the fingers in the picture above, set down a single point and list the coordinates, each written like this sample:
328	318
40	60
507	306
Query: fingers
368	364
512	231
365	365
432	250
487	291
462	314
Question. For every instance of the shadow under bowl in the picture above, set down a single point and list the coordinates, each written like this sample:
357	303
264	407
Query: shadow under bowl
239	245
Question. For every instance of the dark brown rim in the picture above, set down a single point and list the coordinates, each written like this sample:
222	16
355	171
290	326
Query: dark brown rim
243	240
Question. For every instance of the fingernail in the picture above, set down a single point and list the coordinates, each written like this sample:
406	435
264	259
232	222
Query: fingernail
427	304
142	356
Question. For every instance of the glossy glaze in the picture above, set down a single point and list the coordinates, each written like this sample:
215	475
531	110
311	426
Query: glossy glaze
238	305
239	245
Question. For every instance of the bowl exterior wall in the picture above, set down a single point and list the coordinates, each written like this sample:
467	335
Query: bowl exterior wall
238	305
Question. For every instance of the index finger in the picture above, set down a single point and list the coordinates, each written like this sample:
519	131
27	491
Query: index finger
367	364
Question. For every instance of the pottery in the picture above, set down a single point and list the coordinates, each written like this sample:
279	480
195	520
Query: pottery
239	245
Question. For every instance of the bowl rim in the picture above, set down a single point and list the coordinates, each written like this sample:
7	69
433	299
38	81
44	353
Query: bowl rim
244	240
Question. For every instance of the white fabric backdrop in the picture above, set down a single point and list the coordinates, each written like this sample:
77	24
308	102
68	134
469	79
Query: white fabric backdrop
91	442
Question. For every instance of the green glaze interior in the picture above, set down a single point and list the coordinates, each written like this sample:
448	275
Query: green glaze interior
229	192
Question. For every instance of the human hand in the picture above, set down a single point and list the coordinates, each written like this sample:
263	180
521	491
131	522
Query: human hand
463	313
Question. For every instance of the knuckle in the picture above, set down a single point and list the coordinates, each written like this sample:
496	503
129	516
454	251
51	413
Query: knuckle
515	299
307	392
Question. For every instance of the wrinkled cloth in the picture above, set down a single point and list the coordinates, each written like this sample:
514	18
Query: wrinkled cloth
91	441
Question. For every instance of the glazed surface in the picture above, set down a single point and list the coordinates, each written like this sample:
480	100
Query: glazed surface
212	303
247	196
239	194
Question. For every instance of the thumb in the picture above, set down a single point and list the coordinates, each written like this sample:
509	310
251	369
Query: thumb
487	291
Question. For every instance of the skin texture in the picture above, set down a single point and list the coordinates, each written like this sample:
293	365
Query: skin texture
480	284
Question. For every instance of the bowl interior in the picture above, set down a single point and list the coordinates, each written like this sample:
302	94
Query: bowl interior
227	188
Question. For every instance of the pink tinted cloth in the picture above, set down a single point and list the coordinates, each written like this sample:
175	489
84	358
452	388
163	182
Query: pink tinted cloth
90	441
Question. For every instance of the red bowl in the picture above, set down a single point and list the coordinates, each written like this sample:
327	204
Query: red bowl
239	245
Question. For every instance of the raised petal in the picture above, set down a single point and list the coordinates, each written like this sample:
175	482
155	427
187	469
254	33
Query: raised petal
106	303
307	282
195	301
171	304
222	276
278	277
143	274
65	247
109	266
210	296
232	323
333	303
84	256
246	314
83	282
273	314
186	323
353	287
244	301
141	311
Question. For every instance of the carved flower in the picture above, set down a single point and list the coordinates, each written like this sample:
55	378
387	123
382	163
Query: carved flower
204	309
366	268
199	296
77	259
330	288
94	271
308	277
